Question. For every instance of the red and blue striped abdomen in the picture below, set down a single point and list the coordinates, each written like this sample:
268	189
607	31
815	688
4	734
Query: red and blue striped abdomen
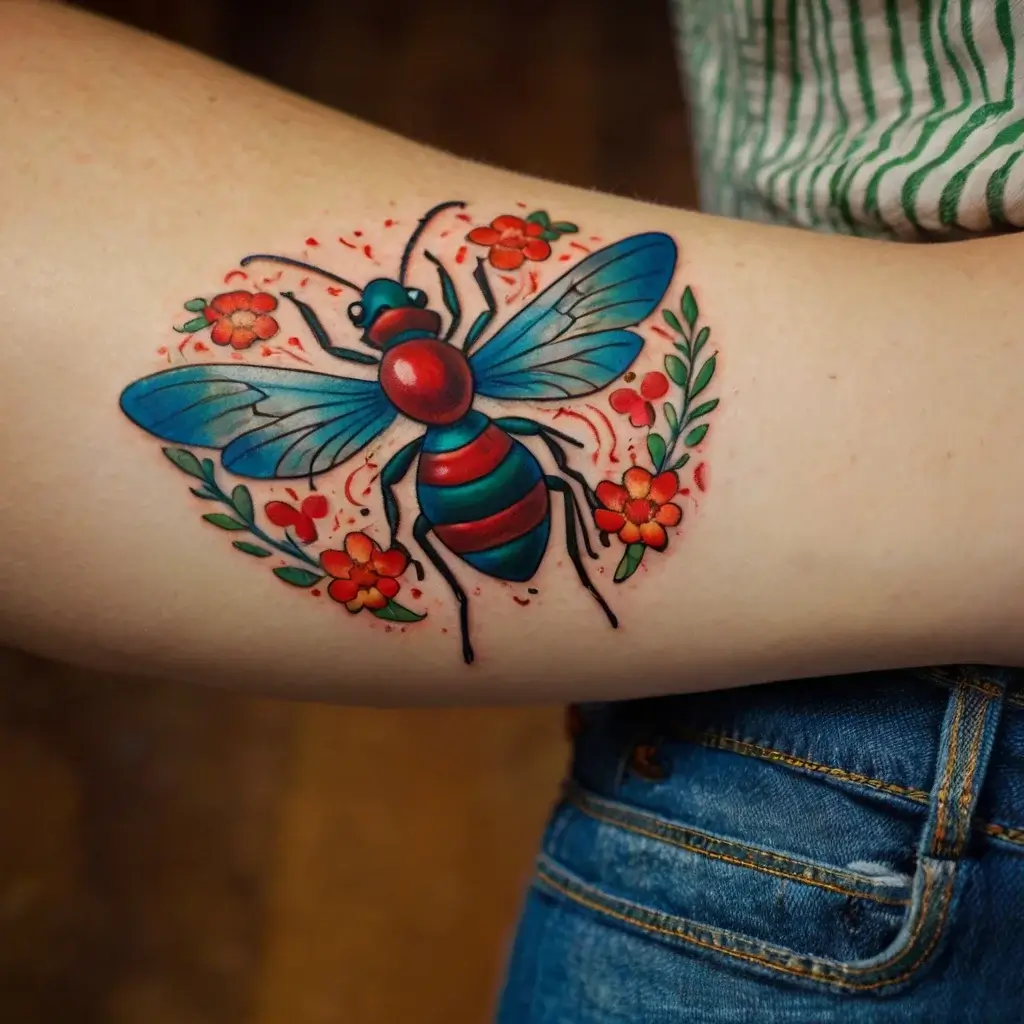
485	496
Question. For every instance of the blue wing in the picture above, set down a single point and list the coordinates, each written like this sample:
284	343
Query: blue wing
269	422
571	340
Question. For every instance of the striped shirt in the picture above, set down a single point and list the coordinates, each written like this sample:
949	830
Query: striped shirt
899	119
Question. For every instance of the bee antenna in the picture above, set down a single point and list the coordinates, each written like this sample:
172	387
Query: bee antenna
301	266
420	228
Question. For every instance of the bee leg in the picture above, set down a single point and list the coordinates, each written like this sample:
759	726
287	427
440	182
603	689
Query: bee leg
531	428
450	296
391	475
572	510
483	320
420	530
350	355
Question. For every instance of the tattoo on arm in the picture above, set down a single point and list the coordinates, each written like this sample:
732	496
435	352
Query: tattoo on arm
482	504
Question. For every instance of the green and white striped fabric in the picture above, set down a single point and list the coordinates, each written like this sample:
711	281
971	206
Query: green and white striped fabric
888	118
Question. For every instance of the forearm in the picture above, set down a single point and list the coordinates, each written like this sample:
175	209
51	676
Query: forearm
861	481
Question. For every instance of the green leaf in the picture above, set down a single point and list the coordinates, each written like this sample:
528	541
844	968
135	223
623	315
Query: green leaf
209	470
395	612
672	320
702	339
689	306
297	577
201	492
564	227
550	235
707	371
631	559
656	447
223	521
196	305
681	461
695	436
185	461
537	217
193	325
702	410
676	369
242	501
671	418
251	549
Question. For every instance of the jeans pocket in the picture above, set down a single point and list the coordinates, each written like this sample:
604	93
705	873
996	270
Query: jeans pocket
858	927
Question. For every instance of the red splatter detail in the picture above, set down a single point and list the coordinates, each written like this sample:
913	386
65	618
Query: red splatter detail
292	355
700	477
461	254
580	246
533	282
291	493
389	223
345	241
266	351
315	593
524	601
368	252
596	238
235	273
612	456
331	290
311	241
521	205
273	277
445	234
296	343
304	282
579	416
661	331
358	234
565	257
162	350
348	488
684	491
464	216
184	342
351	521
237	356
507	279
337	523
367	491
201	346
416	592
388	629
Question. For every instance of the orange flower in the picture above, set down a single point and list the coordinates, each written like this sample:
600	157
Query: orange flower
640	508
512	240
364	576
239	318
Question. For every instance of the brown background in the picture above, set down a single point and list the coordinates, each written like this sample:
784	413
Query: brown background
171	855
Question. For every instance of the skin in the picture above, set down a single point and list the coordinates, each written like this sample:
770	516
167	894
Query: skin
867	459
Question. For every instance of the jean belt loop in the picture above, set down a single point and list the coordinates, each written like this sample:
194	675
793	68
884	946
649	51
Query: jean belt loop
965	747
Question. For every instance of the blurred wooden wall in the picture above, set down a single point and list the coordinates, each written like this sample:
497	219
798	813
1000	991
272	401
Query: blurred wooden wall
172	855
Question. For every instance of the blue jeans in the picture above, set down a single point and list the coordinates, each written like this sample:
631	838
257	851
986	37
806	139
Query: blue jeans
845	849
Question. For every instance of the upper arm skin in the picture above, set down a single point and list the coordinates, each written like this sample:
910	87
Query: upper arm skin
862	476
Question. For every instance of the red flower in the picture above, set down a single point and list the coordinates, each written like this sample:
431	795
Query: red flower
640	508
511	240
364	576
239	318
280	513
638	406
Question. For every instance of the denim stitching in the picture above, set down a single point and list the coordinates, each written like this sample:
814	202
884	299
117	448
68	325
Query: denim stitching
943	794
800	871
966	794
1009	833
947	679
824	967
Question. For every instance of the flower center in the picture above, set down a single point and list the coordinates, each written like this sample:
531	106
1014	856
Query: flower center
243	318
363	577
513	238
640	510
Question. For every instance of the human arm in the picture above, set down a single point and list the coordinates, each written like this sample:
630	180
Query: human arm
863	468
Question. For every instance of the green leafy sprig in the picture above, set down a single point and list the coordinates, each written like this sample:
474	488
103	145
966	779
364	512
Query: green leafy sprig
243	518
196	323
552	230
692	375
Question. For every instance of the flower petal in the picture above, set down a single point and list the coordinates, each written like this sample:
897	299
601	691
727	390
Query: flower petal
228	302
359	547
536	249
356	604
305	529
264	327
263	302
280	513
664	487
637	482
388	587
315	506
642	414
373	598
242	337
654	385
336	563
503	258
608	521
483	236
343	591
390	563
623	399
630	533
222	331
669	515
653	535
508	222
612	496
